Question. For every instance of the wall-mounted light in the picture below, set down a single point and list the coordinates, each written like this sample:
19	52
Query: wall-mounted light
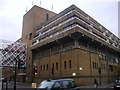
73	74
80	68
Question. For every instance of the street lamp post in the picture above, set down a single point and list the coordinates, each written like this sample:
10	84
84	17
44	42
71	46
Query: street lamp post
15	74
17	62
99	75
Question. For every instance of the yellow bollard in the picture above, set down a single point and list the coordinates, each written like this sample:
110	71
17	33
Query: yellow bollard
34	85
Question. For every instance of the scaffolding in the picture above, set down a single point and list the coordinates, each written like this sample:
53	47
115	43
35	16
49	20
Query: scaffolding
9	51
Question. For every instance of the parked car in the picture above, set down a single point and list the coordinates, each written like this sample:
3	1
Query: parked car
117	83
59	84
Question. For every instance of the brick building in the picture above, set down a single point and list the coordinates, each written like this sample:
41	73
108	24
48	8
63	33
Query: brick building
70	44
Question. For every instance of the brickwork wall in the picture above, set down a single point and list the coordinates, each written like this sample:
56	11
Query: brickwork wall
79	59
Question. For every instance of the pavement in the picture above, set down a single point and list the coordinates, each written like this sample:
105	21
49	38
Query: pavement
102	86
19	85
26	85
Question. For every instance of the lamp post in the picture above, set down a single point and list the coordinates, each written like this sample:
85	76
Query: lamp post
15	74
17	63
99	70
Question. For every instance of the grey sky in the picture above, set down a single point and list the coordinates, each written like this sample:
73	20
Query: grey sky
12	11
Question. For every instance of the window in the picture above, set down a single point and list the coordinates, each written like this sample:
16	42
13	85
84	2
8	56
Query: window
30	36
65	84
56	86
65	64
97	65
47	17
53	65
44	68
93	65
111	67
70	64
56	66
68	84
47	67
41	67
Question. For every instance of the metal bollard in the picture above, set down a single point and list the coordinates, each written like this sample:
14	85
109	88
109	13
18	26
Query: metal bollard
2	86
6	85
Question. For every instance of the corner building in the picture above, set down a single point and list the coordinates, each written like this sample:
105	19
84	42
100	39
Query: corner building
70	44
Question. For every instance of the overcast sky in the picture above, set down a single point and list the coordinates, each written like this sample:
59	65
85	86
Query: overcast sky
12	11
